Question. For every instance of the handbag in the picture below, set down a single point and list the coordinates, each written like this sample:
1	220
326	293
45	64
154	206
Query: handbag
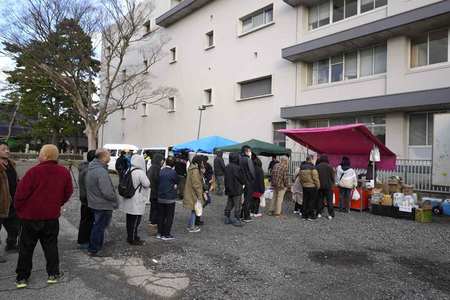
355	195
198	208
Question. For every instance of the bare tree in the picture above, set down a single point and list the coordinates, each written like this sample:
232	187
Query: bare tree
119	25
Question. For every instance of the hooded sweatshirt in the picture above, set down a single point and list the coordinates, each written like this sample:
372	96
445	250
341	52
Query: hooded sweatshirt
153	175
136	204
99	187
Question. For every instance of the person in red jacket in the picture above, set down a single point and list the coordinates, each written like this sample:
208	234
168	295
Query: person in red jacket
41	193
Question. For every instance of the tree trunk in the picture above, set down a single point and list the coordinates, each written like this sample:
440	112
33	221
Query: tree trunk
12	121
91	132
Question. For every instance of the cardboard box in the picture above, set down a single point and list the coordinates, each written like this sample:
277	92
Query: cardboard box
394	188
385	188
424	215
387	200
408	189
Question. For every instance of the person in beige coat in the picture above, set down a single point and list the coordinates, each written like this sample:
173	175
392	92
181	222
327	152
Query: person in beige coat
193	191
309	179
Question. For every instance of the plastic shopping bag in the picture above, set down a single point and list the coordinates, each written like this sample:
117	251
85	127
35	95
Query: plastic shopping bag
262	202
268	194
198	208
356	196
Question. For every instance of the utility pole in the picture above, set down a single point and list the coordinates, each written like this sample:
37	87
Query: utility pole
201	108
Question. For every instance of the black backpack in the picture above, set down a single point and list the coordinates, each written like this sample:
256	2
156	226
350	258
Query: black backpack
126	188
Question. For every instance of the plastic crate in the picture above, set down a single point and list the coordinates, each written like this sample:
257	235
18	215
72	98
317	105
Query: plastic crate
404	215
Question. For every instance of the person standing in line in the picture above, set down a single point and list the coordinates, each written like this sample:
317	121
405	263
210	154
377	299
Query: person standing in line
309	179
280	184
153	176
272	164
134	207
41	193
219	173
234	181
297	191
193	191
102	199
248	170
122	163
11	222
167	196
327	180
258	188
207	176
181	170
86	215
347	181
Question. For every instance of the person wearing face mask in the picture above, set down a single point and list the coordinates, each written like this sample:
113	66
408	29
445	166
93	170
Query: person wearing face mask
41	193
248	170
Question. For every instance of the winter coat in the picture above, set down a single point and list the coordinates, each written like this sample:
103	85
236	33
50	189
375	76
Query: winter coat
234	178
219	166
136	204
181	167
346	177
153	175
326	175
279	176
5	196
258	184
297	186
193	189
309	177
42	192
100	191
248	168
208	176
121	165
168	179
82	172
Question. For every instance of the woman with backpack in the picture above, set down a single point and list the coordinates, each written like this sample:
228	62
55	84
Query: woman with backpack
134	206
347	181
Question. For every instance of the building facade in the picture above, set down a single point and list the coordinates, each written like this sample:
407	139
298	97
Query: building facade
257	66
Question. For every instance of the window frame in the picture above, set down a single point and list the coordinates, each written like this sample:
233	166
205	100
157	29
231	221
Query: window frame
173	55
144	109
427	132
428	50
250	16
240	98
274	133
208	95
210	37
172	105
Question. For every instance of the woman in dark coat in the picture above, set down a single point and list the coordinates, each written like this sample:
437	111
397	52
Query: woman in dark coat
258	188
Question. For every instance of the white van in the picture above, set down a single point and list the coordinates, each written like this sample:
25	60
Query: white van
115	150
164	151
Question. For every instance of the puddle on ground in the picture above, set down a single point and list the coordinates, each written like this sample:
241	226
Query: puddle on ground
432	272
341	258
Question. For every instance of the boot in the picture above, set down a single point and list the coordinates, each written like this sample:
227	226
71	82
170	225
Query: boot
227	221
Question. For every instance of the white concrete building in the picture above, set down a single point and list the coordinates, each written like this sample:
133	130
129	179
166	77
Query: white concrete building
259	65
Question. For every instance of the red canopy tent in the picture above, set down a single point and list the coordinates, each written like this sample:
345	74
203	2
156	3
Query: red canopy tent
354	141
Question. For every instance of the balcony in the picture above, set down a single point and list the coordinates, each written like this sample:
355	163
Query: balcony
295	3
409	23
178	12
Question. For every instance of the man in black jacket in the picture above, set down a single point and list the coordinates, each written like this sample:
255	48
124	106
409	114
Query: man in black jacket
219	172
234	180
327	180
122	164
153	176
248	170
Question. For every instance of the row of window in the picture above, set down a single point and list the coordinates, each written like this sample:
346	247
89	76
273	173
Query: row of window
331	11
348	66
431	48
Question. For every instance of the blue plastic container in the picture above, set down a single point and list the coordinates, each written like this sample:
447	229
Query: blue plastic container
446	207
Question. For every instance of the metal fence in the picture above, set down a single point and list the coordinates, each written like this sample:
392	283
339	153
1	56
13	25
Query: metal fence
417	173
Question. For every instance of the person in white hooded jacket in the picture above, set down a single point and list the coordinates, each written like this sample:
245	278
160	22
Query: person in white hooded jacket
347	181
135	206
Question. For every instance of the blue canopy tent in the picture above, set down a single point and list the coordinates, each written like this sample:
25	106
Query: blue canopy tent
204	145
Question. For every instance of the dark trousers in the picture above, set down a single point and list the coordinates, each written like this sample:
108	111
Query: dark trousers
133	222
233	202
153	217
12	226
344	198
309	202
46	232
254	209
220	184
299	207
86	222
102	218
180	186
166	215
247	203
326	194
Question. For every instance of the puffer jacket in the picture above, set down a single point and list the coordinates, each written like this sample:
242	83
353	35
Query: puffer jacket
193	190
136	204
100	191
309	177
346	177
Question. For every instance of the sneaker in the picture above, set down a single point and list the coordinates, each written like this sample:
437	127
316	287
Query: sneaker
11	248
329	217
193	229
52	279
258	215
168	237
296	212
21	284
300	214
247	220
319	216
158	236
238	223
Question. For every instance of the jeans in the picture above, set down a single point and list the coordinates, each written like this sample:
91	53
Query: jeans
86	222
153	216
233	202
326	194
46	232
277	201
166	215
344	198
102	218
220	180
133	222
192	217
309	202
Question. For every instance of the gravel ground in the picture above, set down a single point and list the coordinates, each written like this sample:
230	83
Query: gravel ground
354	256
